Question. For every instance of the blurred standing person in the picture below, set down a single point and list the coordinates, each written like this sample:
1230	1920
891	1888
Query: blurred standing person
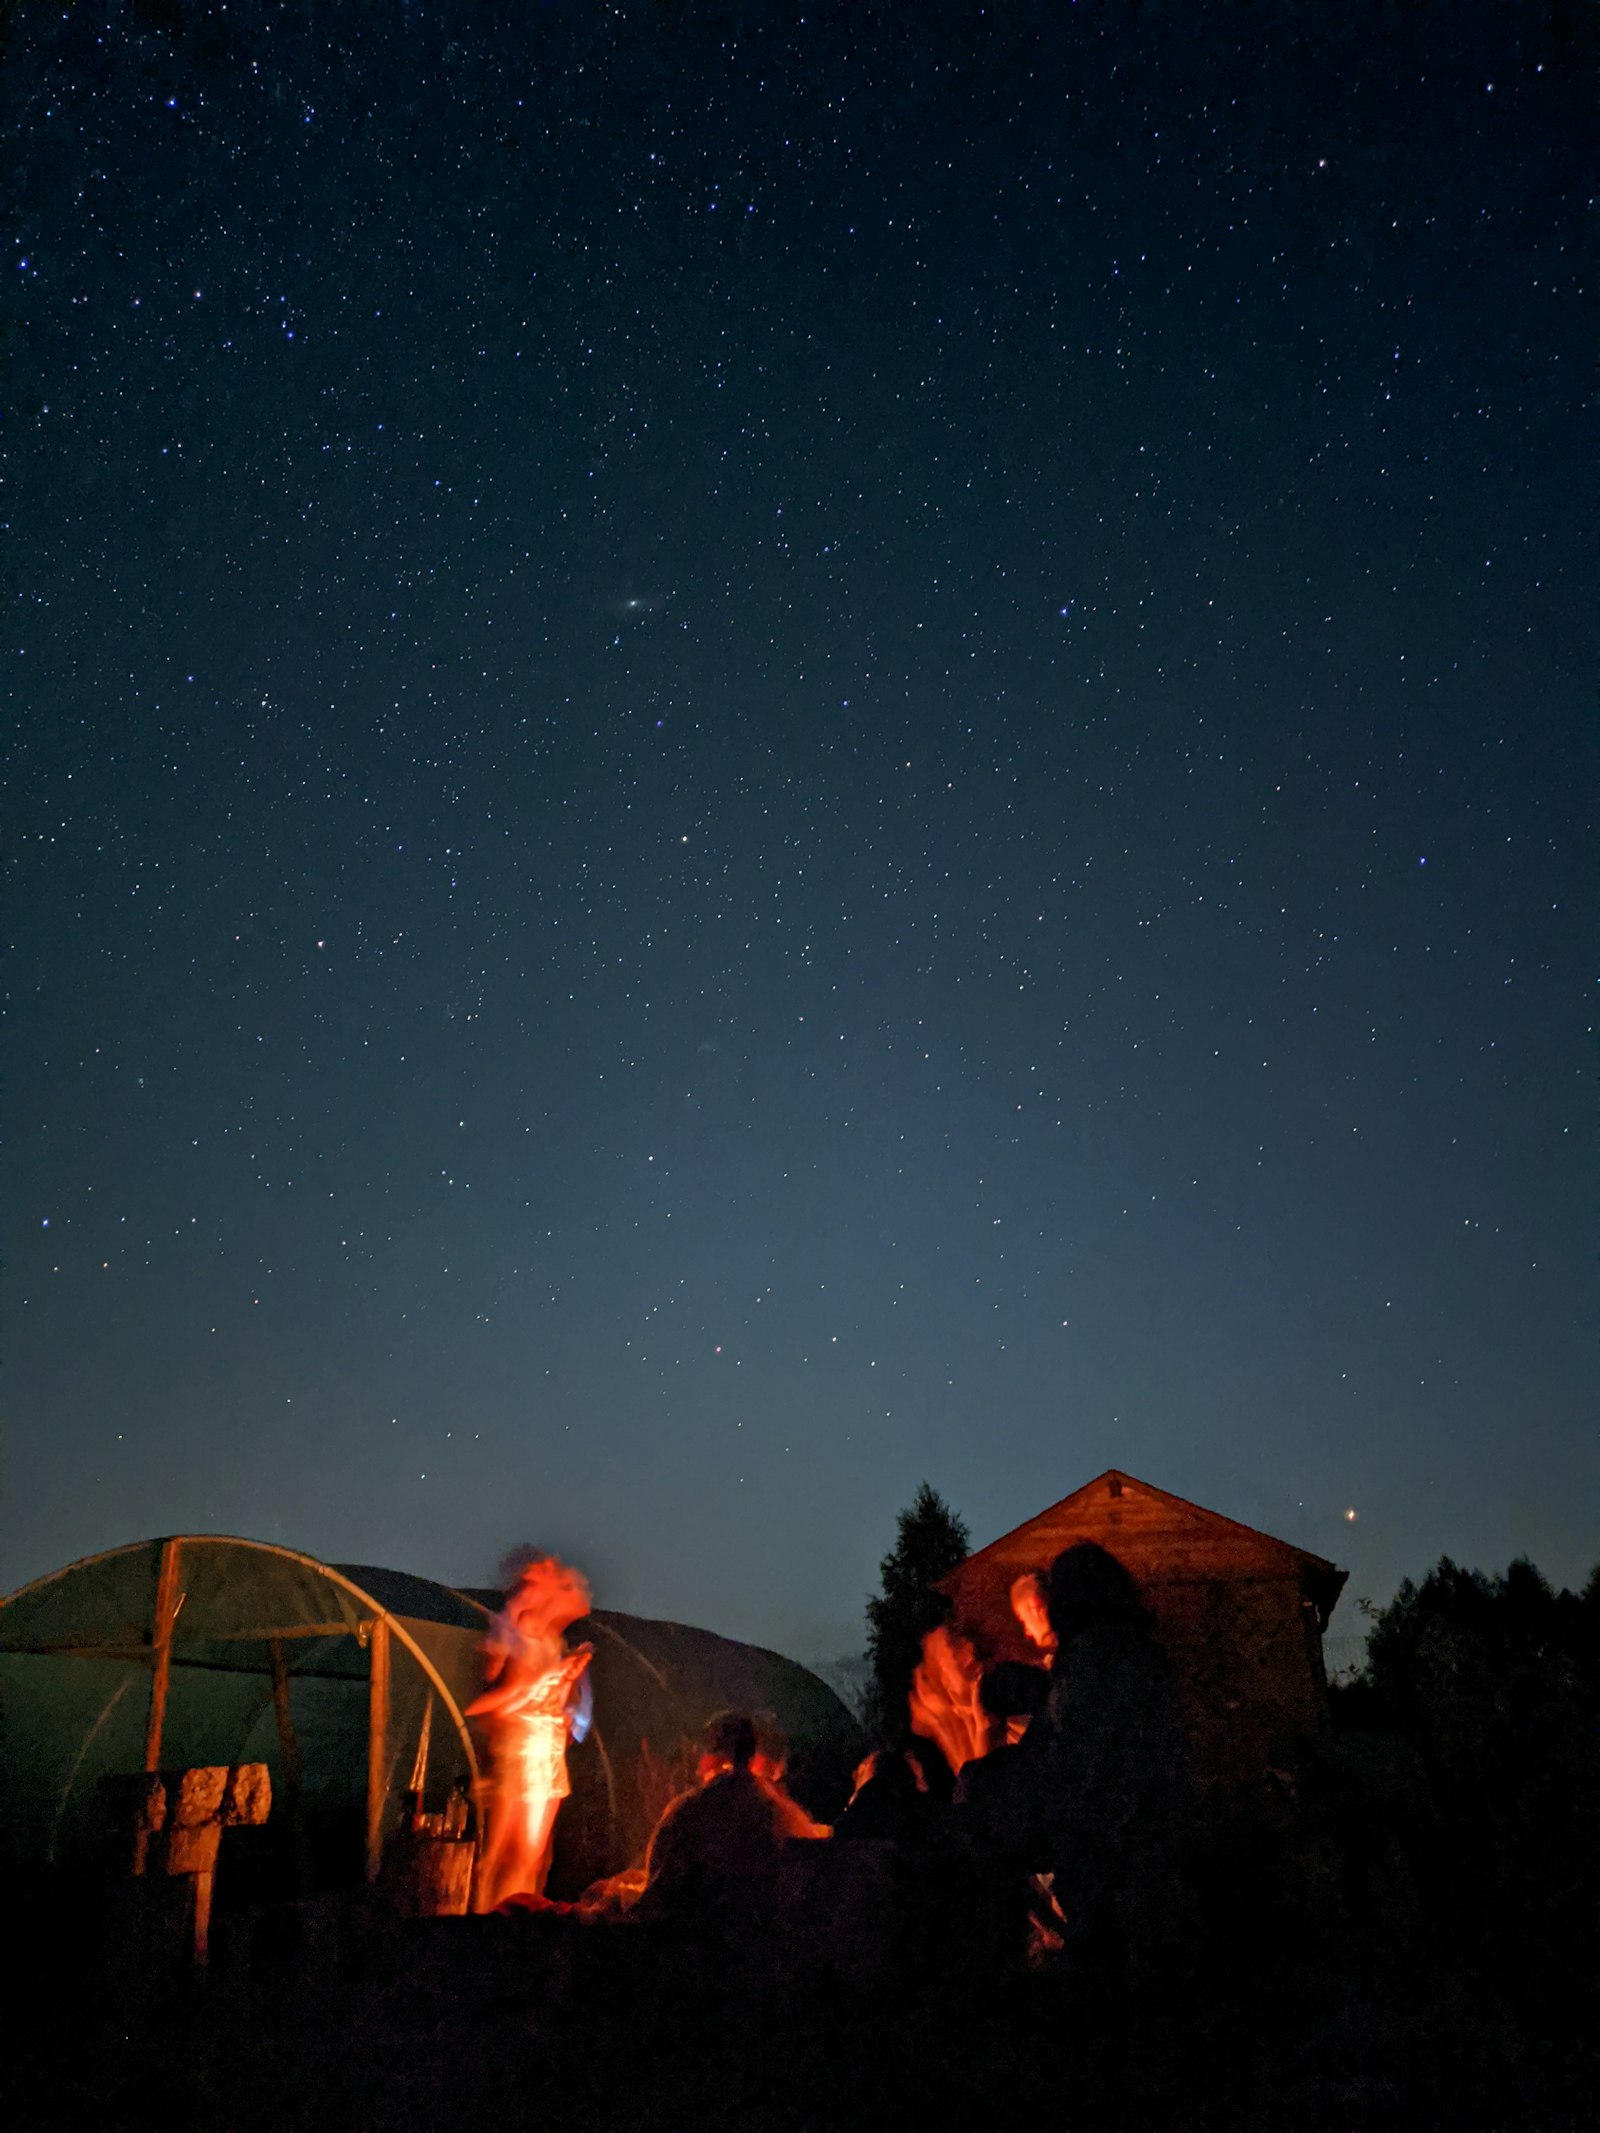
1105	1766
537	1695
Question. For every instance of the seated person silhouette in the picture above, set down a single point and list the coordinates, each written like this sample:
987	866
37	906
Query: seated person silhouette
891	1801
993	1806
770	1764
712	1867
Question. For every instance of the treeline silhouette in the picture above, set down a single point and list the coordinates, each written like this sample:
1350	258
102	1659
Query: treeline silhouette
1484	1689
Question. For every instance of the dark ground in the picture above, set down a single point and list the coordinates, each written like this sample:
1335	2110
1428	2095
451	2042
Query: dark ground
330	2015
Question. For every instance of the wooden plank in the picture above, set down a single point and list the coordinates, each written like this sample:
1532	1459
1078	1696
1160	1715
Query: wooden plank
419	1767
318	1632
288	1629
282	1712
289	1748
377	1743
166	1612
202	1885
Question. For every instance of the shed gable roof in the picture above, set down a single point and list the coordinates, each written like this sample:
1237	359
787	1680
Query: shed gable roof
1161	1537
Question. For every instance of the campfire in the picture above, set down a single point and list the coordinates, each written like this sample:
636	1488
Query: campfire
946	1706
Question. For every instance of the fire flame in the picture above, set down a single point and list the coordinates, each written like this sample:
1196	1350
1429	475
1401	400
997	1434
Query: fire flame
945	1704
1028	1605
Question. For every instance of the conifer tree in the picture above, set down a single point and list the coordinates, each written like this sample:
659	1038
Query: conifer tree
931	1541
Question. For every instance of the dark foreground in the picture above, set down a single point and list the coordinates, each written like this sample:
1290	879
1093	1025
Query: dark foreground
331	2014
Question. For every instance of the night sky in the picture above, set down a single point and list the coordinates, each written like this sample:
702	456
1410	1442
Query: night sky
758	751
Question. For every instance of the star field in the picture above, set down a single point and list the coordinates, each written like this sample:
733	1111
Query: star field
757	756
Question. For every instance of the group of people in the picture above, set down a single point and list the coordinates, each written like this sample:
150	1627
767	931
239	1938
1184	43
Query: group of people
1072	1784
537	1697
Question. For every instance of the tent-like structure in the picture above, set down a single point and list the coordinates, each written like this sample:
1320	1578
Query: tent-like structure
350	1683
202	1649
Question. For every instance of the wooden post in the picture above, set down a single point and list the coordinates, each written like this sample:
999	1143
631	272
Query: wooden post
419	1768
200	1917
377	1744
166	1612
289	1745
283	1713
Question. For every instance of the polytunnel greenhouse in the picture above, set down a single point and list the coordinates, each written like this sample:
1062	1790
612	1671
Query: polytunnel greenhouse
204	1650
350	1684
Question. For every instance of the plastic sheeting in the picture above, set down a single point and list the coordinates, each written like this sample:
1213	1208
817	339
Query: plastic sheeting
76	1671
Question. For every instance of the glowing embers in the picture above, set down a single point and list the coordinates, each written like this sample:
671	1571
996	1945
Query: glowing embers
945	1703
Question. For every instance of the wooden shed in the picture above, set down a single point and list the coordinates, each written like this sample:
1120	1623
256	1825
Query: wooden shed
1241	1615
